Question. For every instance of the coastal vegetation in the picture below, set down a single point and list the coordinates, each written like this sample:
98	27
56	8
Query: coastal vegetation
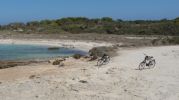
166	41
53	48
103	25
77	56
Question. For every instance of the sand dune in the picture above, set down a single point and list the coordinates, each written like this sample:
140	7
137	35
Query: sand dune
82	80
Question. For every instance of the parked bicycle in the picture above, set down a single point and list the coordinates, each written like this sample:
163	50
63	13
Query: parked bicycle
148	62
103	60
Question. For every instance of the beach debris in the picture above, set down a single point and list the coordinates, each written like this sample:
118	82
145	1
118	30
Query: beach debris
53	48
59	61
74	90
73	78
36	96
9	64
61	64
32	76
77	56
125	90
83	81
86	57
93	58
56	62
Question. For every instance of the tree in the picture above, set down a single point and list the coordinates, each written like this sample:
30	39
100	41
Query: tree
119	20
45	22
107	19
176	21
33	23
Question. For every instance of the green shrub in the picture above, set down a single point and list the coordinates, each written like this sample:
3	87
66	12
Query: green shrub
174	40
77	56
56	62
101	25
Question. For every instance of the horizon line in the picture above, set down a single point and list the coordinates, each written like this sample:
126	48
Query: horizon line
115	19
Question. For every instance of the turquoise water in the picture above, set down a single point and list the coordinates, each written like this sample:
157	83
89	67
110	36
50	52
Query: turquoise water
29	52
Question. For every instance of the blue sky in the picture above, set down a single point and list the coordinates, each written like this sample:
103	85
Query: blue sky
28	10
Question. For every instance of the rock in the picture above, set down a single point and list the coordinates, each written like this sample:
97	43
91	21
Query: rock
8	64
77	56
58	61
36	96
61	64
53	48
32	76
99	51
93	58
83	81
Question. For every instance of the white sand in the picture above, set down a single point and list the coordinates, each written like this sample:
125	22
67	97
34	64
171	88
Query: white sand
119	80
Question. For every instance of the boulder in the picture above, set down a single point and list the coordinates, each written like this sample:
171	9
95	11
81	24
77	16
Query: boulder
77	56
100	51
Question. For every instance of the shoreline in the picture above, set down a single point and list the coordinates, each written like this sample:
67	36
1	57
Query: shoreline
71	44
76	44
82	79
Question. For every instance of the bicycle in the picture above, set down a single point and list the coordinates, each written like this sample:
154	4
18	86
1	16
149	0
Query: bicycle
149	62
103	61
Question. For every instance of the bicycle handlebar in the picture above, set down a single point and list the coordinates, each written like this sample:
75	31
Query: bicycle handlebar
145	54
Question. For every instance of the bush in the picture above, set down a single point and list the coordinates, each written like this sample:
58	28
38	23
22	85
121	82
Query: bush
56	62
174	40
155	41
101	25
77	56
166	41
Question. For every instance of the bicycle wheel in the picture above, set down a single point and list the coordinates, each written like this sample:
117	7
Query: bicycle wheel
100	62
142	65
152	64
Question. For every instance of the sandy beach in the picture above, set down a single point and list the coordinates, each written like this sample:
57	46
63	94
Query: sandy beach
89	50
83	80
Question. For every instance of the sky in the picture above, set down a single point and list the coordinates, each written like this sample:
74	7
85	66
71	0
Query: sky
31	10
